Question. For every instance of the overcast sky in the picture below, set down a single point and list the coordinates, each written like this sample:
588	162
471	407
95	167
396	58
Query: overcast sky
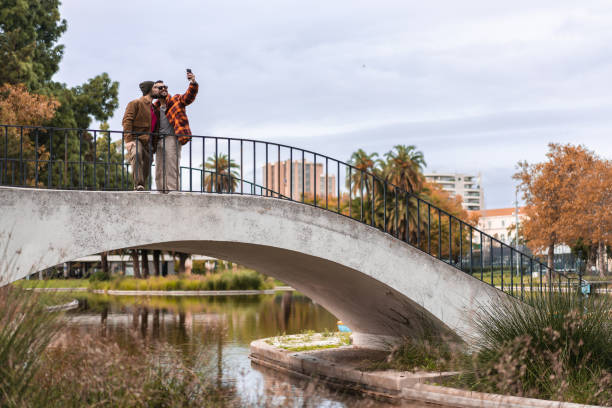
475	84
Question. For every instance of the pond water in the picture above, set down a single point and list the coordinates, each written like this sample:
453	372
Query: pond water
222	327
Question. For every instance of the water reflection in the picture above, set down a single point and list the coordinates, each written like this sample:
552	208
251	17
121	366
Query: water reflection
221	327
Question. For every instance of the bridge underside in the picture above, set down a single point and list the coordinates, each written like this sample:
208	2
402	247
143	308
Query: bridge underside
379	286
365	304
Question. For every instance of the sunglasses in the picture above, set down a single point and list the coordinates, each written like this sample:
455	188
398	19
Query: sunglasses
161	87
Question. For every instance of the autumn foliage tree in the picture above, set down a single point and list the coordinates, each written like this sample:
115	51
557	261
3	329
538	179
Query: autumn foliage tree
17	105
567	199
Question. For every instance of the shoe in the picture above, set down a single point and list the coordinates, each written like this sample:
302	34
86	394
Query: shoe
139	188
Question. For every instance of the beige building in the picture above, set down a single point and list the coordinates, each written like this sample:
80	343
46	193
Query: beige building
308	179
469	187
496	222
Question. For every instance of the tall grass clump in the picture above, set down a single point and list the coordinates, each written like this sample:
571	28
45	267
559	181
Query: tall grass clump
26	330
554	347
90	371
44	364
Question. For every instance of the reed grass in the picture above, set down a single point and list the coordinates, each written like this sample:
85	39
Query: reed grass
555	347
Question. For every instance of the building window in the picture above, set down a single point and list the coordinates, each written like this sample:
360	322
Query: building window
503	223
489	224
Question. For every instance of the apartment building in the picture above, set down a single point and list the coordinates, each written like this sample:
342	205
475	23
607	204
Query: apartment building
496	222
469	187
305	175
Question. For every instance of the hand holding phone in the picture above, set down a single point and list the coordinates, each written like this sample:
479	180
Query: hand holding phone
190	75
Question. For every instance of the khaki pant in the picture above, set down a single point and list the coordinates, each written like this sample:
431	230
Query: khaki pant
139	157
167	163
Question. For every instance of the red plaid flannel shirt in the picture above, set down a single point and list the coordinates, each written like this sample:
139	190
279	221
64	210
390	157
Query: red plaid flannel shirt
175	112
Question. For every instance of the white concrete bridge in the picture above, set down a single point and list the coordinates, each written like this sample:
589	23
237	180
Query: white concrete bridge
378	285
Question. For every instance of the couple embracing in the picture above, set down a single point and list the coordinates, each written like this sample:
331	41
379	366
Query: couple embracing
157	123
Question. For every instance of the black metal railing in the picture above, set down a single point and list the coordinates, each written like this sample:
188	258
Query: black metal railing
44	157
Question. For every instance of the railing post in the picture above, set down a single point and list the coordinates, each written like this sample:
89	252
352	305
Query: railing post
471	250
372	201
396	226
314	178
491	256
522	284
450	240
254	168
385	208
5	164
108	160
124	183
190	165
481	258
217	164
326	183
439	235
501	247
50	161
531	276
66	165
361	193
407	220
95	153
24	167
350	192
36	159
229	165
339	195
460	245
241	167
428	227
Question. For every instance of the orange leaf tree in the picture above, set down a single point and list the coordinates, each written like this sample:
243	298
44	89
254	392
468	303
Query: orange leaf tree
565	198
17	105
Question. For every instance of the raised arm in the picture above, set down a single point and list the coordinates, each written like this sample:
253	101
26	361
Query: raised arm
191	93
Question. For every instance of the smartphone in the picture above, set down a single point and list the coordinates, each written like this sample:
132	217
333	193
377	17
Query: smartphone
189	70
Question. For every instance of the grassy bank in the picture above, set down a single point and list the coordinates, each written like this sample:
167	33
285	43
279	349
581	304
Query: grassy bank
243	279
555	348
53	283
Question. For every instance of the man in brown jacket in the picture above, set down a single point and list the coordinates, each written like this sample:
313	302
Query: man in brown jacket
138	121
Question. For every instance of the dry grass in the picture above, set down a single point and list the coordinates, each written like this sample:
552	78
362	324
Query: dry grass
557	348
41	365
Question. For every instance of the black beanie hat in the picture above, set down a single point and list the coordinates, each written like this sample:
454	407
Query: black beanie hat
145	87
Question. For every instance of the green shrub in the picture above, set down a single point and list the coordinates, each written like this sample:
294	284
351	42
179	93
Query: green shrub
198	267
99	276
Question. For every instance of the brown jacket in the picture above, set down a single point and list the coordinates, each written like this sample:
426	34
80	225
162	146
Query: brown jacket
137	119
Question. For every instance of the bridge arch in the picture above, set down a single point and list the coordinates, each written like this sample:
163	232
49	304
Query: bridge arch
380	286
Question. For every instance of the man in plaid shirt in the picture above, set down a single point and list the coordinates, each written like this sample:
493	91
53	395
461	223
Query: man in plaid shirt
174	132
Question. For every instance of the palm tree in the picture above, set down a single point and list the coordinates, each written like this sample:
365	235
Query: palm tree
362	162
403	168
220	175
